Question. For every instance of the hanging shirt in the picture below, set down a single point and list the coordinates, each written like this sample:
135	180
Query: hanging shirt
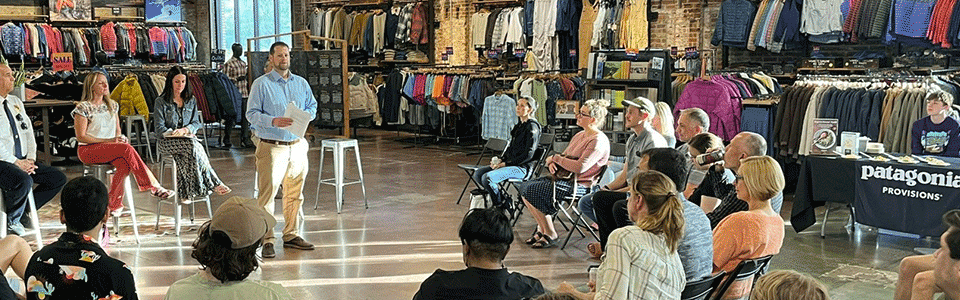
499	116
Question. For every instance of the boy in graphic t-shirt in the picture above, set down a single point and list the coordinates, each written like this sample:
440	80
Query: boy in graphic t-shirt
938	133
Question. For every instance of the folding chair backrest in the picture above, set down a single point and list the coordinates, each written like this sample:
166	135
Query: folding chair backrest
700	290
546	141
745	270
497	145
494	146
618	149
538	157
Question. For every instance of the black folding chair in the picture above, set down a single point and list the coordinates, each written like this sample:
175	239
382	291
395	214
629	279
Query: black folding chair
747	268
572	201
700	290
495	146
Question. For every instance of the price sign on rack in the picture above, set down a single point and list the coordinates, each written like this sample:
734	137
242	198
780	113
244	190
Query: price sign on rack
62	61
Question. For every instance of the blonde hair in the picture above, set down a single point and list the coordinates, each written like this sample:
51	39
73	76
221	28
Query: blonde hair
88	84
788	284
666	118
762	176
598	110
665	214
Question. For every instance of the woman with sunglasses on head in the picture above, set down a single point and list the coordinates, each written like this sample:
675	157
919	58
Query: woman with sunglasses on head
177	120
97	125
586	154
754	233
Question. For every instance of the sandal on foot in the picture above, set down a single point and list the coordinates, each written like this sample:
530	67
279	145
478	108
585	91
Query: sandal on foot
534	238
546	242
222	190
162	193
595	250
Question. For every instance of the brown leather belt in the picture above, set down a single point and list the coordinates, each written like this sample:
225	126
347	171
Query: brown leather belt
280	143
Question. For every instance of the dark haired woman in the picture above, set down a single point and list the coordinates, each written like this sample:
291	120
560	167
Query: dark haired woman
177	121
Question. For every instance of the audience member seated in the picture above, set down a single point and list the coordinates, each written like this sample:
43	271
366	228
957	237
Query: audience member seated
663	123
14	253
923	276
788	285
177	120
226	248
586	154
756	232
639	112
75	264
743	145
19	169
691	122
97	127
517	158
642	261
486	236
717	181
696	245
938	133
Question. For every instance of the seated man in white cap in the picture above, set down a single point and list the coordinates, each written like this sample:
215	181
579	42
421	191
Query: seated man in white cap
226	248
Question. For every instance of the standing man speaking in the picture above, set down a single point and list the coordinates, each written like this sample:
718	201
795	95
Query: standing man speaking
281	155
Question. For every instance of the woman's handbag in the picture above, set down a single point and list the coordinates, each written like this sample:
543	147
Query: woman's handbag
560	173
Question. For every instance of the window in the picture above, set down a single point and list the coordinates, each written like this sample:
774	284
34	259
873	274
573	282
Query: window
235	21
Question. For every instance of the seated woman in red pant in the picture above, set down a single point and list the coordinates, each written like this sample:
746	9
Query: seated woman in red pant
98	131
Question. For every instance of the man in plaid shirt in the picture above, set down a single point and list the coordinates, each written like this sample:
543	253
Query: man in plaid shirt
236	69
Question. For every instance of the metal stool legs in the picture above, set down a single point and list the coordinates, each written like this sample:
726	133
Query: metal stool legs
176	202
339	147
142	135
31	208
101	171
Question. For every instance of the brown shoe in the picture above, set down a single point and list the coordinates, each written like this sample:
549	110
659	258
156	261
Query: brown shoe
268	251
298	243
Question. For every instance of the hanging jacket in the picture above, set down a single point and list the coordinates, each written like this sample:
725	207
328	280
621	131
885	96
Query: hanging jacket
197	88
717	102
130	97
232	93
221	106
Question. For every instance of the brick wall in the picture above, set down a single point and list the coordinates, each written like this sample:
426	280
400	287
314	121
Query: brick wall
454	31
197	16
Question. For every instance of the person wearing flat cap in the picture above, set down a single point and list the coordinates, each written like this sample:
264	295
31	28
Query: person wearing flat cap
226	248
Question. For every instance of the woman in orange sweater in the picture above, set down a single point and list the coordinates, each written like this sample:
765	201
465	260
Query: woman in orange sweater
754	233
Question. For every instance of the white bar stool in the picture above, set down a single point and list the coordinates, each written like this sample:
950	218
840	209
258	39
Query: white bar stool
167	160
141	134
34	221
339	147
101	172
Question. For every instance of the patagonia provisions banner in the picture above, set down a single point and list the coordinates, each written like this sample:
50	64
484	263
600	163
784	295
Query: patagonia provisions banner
906	197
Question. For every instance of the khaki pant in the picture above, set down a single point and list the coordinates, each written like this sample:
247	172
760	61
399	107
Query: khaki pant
285	165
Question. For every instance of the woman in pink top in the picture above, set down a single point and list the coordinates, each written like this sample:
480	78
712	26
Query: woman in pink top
587	152
754	233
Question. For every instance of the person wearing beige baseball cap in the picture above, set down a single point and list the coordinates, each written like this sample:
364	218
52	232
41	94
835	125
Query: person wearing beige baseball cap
226	249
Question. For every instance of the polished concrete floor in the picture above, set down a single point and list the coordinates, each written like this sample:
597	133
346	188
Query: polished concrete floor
384	252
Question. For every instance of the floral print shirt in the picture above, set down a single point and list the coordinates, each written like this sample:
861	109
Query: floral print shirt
75	267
